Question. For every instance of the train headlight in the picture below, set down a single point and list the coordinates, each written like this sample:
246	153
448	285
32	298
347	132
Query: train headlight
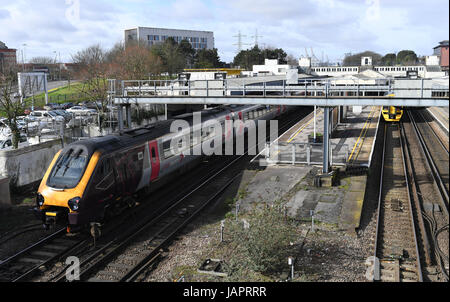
74	203
39	200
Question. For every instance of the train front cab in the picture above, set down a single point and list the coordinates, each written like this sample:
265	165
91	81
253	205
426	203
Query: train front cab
392	113
60	194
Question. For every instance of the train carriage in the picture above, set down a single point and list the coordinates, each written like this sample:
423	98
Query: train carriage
90	179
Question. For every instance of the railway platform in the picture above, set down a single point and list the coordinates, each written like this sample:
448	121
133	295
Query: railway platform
441	115
352	143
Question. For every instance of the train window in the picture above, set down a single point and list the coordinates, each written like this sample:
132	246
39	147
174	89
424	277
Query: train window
103	171
68	170
153	154
167	150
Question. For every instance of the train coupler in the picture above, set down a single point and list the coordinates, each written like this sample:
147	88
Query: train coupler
95	231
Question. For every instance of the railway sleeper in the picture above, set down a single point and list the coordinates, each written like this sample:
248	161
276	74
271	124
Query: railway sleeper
44	254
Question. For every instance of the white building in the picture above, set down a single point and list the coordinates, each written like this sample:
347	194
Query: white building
270	67
152	36
429	70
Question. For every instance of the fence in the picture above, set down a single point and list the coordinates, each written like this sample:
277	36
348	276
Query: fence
305	153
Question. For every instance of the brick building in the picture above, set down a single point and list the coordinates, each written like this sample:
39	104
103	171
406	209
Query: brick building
7	57
442	51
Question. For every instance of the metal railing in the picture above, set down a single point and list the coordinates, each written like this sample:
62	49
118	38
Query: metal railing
419	88
305	153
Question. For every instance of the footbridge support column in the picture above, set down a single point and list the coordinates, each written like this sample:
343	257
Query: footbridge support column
326	140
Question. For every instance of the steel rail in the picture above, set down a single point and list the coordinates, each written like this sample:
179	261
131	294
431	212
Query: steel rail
119	243
410	199
379	223
432	167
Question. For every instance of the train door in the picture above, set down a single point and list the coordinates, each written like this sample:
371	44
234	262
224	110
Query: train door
102	189
154	159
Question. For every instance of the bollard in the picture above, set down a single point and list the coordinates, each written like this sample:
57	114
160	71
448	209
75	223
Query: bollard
291	264
222	226
312	220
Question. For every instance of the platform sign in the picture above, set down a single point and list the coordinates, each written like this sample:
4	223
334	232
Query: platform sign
32	82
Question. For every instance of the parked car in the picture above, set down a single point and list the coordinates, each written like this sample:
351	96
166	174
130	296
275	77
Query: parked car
46	115
52	106
67	105
8	142
67	116
80	110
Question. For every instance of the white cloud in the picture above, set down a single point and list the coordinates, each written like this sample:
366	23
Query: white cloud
331	26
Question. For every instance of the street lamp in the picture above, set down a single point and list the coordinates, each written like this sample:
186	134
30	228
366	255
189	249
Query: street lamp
23	60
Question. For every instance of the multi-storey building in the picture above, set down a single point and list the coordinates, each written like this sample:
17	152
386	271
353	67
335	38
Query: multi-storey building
442	51
152	36
7	57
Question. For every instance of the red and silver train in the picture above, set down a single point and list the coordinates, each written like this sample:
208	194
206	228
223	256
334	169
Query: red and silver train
89	179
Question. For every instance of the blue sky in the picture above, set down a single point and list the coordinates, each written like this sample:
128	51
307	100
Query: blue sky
331	27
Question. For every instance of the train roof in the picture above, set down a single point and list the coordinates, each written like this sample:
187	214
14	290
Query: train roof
112	142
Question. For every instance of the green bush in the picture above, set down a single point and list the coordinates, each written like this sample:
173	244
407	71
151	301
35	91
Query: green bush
266	244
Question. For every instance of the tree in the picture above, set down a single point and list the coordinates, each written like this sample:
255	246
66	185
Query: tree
275	53
406	57
247	58
291	60
11	106
355	60
94	71
389	59
135	62
171	55
42	60
188	52
208	58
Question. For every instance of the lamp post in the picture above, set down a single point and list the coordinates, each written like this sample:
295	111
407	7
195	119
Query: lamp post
23	60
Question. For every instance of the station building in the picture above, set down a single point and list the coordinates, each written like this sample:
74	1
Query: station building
152	36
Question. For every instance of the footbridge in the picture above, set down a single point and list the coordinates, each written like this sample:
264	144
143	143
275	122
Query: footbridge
326	93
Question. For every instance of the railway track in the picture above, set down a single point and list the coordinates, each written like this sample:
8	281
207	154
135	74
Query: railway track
431	192
126	256
436	153
24	264
396	244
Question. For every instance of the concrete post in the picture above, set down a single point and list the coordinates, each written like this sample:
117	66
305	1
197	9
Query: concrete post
120	117
128	115
315	108
5	198
308	155
293	154
326	140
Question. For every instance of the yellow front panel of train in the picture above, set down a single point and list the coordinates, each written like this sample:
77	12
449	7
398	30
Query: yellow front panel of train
60	197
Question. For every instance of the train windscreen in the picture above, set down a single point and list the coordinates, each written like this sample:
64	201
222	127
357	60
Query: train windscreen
68	170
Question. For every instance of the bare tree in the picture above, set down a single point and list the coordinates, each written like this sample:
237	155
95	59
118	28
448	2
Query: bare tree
94	71
42	60
11	106
292	60
136	62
